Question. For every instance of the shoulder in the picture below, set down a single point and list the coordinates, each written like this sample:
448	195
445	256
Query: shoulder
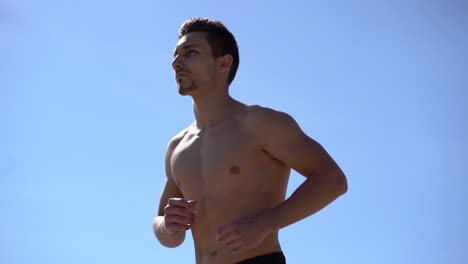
175	140
262	118
267	126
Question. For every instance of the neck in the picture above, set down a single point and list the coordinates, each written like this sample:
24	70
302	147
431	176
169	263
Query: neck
211	108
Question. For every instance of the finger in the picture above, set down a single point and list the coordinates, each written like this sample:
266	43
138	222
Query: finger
174	219
228	231
177	227
174	210
192	205
227	240
180	202
221	232
235	247
238	250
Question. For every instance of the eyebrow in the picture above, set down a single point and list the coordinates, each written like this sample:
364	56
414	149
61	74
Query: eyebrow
185	47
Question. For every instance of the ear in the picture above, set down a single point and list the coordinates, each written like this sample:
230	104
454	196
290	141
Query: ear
225	62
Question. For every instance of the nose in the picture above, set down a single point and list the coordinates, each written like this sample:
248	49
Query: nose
177	63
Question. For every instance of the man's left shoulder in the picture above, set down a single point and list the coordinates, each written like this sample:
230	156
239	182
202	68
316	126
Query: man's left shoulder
267	116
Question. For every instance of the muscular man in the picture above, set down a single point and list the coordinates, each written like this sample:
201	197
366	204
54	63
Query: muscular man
227	173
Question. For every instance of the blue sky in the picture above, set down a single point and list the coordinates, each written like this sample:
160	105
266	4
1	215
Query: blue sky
88	103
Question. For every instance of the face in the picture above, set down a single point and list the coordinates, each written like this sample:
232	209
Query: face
193	63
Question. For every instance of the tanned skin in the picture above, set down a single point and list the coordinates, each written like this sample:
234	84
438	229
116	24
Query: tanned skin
227	173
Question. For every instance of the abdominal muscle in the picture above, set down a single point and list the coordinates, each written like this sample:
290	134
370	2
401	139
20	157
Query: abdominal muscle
215	211
207	248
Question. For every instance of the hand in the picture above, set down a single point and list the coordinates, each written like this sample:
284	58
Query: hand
179	214
241	235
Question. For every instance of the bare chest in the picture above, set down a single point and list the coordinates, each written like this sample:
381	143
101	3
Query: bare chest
211	161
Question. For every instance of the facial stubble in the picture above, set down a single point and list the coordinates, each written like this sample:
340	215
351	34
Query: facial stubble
185	89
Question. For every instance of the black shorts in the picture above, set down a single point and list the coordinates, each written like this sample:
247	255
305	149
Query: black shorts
272	258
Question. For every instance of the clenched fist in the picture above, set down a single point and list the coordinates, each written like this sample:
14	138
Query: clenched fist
179	214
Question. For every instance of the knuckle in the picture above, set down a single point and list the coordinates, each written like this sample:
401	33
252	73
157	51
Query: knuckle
180	211
171	218
170	226
172	201
168	219
168	210
174	210
180	220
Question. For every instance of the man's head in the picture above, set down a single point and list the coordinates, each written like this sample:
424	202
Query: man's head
199	38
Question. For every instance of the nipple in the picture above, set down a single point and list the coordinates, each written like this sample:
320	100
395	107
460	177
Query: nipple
234	170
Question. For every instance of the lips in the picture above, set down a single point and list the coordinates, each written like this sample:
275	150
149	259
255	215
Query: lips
181	74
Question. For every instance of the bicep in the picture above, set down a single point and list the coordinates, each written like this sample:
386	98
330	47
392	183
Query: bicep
303	154
170	190
290	145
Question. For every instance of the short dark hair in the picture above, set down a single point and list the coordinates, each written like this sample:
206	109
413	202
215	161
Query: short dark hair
221	40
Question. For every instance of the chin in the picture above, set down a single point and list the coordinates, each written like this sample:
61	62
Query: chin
186	90
183	92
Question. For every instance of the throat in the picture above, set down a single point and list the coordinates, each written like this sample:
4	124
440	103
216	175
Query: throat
216	111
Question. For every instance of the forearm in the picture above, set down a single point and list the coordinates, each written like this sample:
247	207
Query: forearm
310	197
165	237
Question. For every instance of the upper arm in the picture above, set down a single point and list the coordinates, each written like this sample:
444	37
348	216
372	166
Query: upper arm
170	190
282	138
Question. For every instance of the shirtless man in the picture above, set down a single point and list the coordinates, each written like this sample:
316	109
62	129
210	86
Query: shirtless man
227	173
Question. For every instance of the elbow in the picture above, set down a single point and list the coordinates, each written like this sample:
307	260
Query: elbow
169	245
337	182
166	239
171	242
341	184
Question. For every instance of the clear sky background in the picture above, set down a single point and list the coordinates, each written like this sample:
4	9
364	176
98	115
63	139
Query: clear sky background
88	103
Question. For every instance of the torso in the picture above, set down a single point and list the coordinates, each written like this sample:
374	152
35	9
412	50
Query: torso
226	170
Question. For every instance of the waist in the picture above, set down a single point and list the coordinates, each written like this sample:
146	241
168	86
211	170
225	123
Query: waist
207	253
270	258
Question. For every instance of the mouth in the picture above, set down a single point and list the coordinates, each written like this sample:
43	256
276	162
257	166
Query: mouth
181	74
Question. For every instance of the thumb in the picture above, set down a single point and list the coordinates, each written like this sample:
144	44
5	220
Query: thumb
192	203
220	231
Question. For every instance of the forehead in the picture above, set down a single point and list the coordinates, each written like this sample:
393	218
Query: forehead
193	39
